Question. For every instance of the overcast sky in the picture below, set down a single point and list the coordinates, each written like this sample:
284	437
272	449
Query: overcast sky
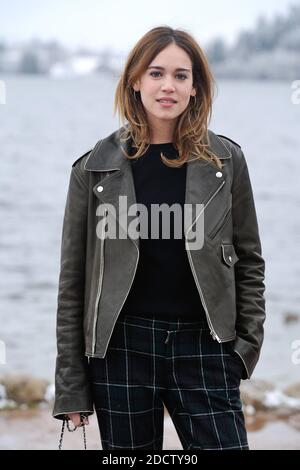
120	23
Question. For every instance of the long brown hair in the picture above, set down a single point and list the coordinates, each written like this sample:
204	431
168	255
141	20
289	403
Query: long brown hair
190	134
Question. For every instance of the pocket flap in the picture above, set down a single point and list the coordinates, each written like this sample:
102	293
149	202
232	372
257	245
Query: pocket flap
229	255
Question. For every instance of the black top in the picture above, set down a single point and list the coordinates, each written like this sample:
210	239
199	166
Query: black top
164	285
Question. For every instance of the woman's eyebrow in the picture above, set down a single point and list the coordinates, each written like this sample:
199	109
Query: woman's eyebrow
162	68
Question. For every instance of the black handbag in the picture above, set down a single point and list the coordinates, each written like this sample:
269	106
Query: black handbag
66	420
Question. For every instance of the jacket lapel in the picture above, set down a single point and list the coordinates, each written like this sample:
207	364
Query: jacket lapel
115	182
202	177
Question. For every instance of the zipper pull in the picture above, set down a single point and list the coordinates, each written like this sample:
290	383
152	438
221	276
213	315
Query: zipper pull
215	336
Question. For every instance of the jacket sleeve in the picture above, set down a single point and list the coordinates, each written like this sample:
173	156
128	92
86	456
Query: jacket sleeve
72	389
249	270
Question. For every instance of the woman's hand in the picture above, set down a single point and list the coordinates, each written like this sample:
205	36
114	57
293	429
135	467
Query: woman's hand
76	419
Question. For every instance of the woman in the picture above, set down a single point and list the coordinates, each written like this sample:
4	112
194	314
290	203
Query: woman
145	322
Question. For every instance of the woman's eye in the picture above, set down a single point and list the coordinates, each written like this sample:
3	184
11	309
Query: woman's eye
178	75
151	73
181	75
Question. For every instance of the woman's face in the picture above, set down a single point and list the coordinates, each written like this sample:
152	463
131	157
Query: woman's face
161	80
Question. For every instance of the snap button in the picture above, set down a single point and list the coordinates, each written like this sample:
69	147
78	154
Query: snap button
229	255
219	174
100	189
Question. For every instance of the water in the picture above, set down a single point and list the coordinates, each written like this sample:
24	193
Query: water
47	124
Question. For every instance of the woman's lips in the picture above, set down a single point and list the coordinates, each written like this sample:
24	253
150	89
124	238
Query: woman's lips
166	104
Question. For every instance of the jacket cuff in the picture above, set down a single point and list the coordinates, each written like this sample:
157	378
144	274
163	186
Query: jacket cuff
75	404
247	354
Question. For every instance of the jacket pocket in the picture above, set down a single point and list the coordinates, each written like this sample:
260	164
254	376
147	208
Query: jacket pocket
229	256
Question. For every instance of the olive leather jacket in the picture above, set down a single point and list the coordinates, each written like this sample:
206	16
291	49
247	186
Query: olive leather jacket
96	273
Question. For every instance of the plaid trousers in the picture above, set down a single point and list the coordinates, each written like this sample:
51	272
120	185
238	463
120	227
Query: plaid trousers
150	363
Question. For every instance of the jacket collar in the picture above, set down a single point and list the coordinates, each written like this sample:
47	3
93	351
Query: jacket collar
107	154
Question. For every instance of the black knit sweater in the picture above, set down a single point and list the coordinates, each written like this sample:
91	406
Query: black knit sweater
163	285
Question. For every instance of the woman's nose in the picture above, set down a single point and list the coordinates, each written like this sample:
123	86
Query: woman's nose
168	85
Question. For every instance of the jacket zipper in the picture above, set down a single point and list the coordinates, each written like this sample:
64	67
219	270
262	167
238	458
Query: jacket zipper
220	225
125	297
99	284
212	331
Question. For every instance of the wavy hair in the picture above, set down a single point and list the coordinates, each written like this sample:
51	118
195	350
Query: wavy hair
191	130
